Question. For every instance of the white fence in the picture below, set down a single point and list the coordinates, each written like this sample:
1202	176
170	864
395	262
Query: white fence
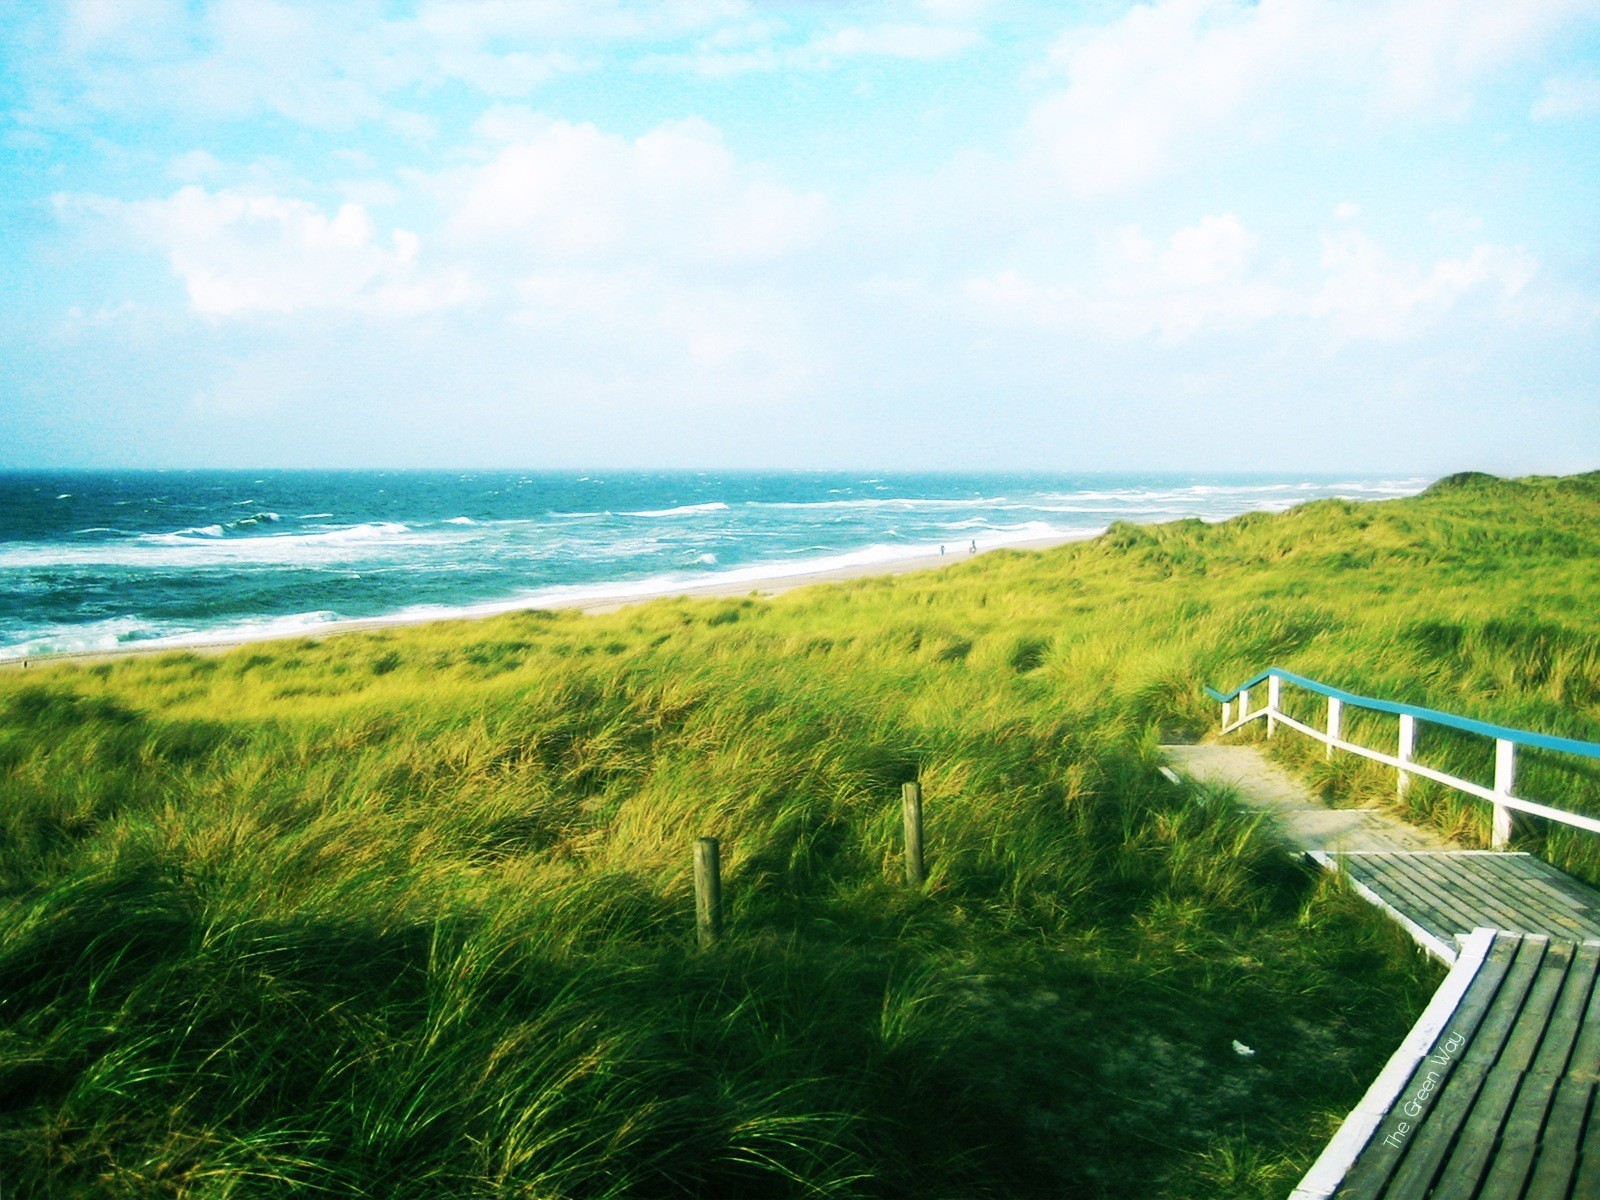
1501	795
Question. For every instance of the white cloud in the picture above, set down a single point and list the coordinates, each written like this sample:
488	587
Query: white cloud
956	10
1205	278
1368	294
332	66
663	254
923	42
568	193
481	22
239	57
194	166
1180	80
137	26
667	325
1157	79
241	254
769	45
557	215
1202	278
1568	96
515	73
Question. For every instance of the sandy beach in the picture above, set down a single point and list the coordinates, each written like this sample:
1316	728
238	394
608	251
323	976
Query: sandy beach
589	605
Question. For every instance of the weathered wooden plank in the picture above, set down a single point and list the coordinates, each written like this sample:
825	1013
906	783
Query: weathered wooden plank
1459	1087
1435	941
1471	892
1507	863
1557	894
1463	903
1459	911
1526	866
1535	903
1503	1084
1486	893
1460	896
1564	1130
1538	888
1535	867
1406	896
1534	1115
1359	1129
1475	903
1369	1176
1587	1184
1561	889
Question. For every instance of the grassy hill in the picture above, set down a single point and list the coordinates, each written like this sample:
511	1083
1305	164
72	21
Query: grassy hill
408	913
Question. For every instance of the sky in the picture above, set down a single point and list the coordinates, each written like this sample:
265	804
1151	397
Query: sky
1186	235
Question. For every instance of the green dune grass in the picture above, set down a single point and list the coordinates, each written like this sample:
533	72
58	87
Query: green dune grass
409	913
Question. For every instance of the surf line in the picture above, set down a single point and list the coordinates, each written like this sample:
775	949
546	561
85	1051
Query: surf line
1441	1056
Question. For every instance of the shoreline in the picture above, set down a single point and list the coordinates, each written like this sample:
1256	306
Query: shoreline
586	605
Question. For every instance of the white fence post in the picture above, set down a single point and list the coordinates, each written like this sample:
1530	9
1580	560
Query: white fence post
1274	696
1335	720
1226	705
1408	745
1244	703
1505	779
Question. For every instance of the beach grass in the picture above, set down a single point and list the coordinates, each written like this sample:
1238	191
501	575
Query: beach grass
409	912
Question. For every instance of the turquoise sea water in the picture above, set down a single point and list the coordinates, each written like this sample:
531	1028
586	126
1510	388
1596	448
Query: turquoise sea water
92	561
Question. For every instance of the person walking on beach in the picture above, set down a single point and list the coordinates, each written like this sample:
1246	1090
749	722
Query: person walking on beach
974	549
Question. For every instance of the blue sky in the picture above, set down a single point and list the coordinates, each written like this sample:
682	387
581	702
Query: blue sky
1183	235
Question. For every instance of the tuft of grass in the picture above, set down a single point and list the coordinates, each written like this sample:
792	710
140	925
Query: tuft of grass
409	913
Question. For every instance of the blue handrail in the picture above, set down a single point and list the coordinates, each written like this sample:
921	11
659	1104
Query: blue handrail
1522	737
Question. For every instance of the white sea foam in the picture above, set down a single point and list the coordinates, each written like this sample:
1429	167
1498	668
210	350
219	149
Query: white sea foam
908	503
80	639
684	510
207	546
122	633
459	521
675	583
1025	530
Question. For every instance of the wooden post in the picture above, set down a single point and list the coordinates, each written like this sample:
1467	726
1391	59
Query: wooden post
707	891
1244	704
1335	721
1408	746
1505	779
1226	705
911	804
1274	696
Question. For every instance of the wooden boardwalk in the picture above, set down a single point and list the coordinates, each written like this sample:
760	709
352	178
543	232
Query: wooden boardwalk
1441	896
1493	1094
1491	1097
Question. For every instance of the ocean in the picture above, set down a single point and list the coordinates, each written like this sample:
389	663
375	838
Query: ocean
99	560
